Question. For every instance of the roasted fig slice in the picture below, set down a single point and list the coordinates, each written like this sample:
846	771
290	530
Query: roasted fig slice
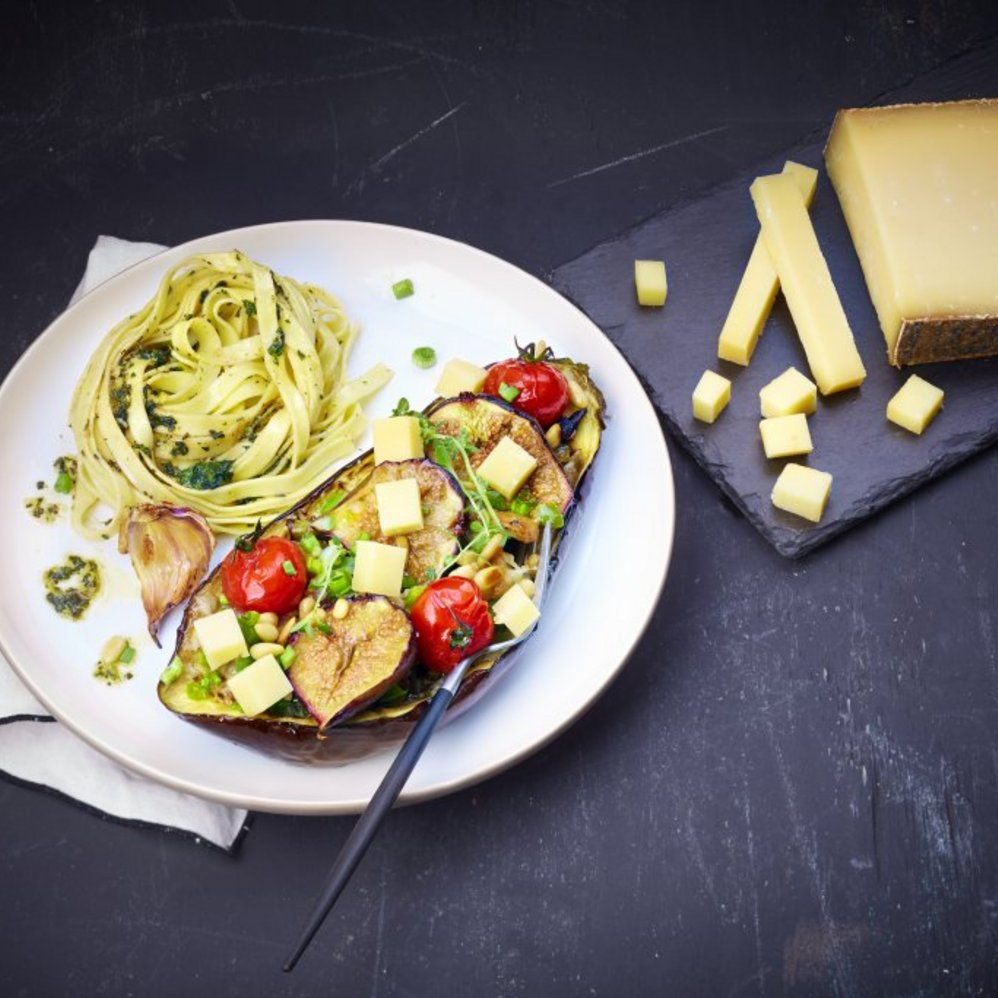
486	420
341	667
443	515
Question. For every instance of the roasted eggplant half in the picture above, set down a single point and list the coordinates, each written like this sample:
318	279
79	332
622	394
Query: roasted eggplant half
344	672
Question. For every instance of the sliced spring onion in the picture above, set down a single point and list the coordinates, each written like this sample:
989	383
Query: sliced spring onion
127	655
402	289
287	657
64	483
172	671
508	392
424	357
289	567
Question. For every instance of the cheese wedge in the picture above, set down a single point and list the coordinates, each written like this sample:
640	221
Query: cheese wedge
807	284
759	284
918	185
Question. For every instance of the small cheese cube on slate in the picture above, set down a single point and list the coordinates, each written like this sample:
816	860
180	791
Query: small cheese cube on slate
710	396
783	436
259	685
789	393
397	438
221	637
803	491
378	568
460	376
515	609
650	282
915	405
507	467
399	507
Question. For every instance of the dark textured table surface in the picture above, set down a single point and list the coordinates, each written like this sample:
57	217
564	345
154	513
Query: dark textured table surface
792	787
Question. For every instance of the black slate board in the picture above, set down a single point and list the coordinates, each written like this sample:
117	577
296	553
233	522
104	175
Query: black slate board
706	244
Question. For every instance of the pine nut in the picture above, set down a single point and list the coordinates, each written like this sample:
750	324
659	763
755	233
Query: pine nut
112	649
527	585
464	572
488	579
340	608
266	631
492	548
467	558
305	607
553	435
285	632
268	618
533	561
262	648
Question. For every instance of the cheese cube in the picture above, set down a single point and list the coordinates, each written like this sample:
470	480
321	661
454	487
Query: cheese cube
221	637
259	685
515	609
650	281
460	376
378	568
915	405
803	491
785	435
397	438
710	396
789	393
400	510
507	467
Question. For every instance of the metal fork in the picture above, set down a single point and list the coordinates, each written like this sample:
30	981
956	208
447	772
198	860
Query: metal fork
402	766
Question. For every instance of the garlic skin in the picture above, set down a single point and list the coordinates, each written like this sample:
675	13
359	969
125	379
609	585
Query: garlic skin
170	548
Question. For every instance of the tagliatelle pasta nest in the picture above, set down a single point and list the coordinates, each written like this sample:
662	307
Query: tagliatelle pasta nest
225	393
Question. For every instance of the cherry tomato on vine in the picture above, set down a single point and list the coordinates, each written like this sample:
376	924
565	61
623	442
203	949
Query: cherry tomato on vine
533	386
268	575
452	621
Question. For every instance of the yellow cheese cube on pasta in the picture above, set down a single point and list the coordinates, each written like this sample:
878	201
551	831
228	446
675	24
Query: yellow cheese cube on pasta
710	396
515	609
507	467
803	491
789	393
221	637
400	509
259	685
650	282
783	436
460	376
397	438
915	405
378	568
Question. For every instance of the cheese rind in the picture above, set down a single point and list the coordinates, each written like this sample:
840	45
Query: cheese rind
400	509
918	185
807	284
784	436
221	637
397	438
515	609
711	395
378	568
507	467
260	685
757	290
460	376
915	404
789	393
650	282
803	491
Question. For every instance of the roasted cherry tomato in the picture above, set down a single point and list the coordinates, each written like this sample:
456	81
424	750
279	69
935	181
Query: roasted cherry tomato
269	575
452	621
540	388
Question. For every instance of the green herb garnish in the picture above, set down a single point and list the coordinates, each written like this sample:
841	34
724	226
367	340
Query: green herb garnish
424	357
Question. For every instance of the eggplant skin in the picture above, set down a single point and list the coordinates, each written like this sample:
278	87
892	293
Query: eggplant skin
376	728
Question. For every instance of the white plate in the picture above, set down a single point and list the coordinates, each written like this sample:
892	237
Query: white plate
468	304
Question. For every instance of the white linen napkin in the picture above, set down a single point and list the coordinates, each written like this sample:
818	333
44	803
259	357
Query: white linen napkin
36	749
